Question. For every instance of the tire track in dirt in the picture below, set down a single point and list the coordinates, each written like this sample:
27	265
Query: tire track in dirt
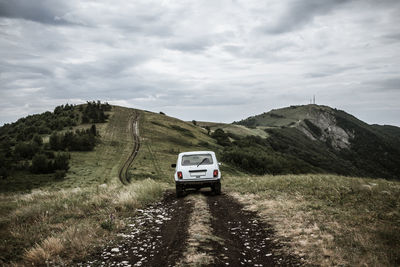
247	240
221	234
134	129
154	236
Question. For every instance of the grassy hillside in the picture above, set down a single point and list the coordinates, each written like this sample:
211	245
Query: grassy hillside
288	116
88	206
325	218
86	168
330	220
235	129
330	140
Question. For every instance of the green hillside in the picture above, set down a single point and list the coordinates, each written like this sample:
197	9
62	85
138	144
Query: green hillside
162	138
81	202
53	220
323	139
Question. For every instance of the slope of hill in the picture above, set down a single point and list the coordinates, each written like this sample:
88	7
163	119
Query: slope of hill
331	140
49	221
38	207
162	138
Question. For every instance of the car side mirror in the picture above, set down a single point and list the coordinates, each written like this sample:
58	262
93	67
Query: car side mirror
219	163
173	165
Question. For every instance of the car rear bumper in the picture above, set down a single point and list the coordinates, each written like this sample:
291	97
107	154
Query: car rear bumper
197	183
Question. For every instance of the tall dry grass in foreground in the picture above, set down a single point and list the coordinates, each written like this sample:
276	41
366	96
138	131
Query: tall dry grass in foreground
328	219
45	227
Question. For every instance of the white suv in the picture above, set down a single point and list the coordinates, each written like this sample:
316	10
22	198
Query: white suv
197	169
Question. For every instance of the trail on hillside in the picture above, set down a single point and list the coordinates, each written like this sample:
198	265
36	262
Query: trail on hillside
134	131
169	233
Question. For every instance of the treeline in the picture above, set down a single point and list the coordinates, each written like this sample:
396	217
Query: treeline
93	112
80	140
33	156
255	155
41	163
37	157
25	128
21	144
374	152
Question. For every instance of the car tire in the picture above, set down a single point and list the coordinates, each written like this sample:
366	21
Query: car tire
217	188
179	190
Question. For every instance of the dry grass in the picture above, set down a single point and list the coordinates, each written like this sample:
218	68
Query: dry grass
200	233
43	253
328	220
56	227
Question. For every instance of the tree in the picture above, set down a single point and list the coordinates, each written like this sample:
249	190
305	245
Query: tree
37	140
208	129
40	164
194	122
26	150
93	130
221	137
55	141
61	161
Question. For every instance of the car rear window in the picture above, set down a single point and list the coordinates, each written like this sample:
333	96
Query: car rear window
190	160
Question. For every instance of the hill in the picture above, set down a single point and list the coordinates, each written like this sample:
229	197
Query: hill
324	139
162	137
46	219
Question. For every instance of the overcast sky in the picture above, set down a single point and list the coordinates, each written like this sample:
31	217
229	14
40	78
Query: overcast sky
203	60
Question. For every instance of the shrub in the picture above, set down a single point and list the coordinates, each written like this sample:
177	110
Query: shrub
107	224
182	130
61	162
221	137
60	174
37	140
26	150
40	164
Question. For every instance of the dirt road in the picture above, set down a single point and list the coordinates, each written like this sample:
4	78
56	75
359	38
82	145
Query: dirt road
133	128
198	230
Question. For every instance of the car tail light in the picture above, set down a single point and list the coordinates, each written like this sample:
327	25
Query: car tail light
215	173
180	175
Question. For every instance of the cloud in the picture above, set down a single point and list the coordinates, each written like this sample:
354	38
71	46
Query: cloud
42	11
204	60
297	14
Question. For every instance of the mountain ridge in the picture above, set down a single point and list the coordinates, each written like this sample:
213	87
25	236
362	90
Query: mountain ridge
366	149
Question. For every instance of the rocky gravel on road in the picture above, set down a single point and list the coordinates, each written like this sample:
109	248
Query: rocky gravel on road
155	236
158	236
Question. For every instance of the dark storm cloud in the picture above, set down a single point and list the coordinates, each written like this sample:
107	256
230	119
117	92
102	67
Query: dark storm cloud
43	11
299	13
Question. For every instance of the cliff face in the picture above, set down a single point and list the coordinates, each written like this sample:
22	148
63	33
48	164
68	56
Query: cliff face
322	125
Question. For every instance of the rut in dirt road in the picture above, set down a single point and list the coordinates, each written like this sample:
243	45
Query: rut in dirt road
247	240
134	130
154	236
198	230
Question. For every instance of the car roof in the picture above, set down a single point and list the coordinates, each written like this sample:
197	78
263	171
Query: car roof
196	153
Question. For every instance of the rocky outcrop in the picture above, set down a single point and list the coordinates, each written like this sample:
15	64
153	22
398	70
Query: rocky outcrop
321	124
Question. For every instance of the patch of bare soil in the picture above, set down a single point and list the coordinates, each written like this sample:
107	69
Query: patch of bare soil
155	236
247	240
